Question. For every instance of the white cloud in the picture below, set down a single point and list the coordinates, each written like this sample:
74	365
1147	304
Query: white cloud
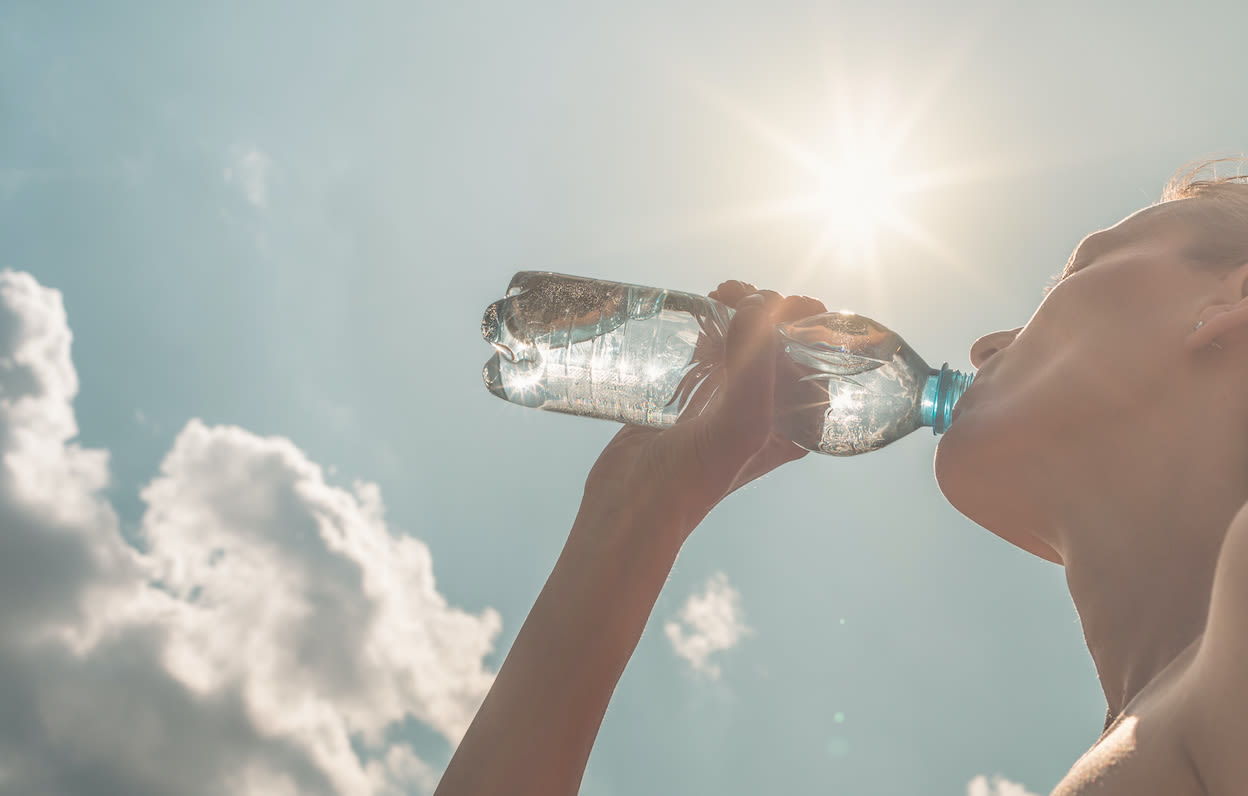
999	787
400	772
249	169
272	625
709	622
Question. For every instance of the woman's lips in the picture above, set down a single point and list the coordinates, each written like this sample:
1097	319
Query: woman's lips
974	388
957	408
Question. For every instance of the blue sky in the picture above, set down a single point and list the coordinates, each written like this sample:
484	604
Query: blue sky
273	228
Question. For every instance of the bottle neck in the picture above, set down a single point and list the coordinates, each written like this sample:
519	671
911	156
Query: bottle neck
943	389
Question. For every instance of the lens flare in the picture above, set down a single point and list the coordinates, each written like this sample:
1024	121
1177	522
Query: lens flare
847	176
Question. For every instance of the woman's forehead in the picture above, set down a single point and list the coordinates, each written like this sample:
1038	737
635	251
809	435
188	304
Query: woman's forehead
1171	216
1173	219
1153	216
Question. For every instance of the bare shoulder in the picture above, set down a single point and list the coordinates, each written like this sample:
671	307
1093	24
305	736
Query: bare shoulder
1215	727
1144	751
1187	732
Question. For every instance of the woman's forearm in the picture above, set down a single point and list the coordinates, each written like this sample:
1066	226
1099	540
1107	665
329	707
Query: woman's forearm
534	732
643	496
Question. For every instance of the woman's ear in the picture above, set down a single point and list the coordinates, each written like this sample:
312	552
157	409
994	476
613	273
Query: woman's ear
1227	317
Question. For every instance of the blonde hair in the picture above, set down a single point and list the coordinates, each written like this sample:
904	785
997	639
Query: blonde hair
1222	211
1190	181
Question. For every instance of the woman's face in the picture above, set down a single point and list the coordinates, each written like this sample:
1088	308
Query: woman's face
1091	360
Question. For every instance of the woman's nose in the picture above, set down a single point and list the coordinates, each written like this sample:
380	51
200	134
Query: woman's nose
983	348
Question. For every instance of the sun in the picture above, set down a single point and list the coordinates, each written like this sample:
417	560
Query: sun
858	191
850	182
857	198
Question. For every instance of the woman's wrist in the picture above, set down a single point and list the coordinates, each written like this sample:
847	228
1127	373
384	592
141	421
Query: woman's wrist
636	514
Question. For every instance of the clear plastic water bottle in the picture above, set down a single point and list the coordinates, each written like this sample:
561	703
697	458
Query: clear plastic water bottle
844	385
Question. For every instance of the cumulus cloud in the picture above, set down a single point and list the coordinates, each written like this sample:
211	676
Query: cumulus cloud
999	787
267	638
709	622
249	169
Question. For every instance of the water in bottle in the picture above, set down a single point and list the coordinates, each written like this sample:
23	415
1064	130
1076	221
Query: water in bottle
844	383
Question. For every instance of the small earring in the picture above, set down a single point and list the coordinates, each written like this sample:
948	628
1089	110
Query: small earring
1214	344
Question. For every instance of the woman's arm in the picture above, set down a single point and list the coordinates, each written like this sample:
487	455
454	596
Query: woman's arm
535	729
643	497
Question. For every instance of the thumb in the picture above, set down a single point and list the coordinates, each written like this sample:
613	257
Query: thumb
739	426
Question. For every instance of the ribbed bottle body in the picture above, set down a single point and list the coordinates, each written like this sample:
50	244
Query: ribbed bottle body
601	349
845	384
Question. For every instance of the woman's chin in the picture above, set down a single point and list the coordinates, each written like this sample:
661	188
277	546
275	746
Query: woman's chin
983	477
952	469
971	472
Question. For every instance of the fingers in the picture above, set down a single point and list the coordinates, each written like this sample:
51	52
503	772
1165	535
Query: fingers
743	419
771	299
732	291
782	308
794	308
731	442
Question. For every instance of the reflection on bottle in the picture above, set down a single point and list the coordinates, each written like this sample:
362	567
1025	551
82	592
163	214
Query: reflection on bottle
844	385
602	349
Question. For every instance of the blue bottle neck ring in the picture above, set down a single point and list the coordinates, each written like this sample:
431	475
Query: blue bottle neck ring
943	389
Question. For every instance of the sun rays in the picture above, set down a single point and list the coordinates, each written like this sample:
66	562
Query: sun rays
855	189
850	187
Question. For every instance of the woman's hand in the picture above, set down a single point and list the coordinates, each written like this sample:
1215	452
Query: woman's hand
585	624
672	478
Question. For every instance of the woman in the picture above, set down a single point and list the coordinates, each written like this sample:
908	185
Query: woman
1107	435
